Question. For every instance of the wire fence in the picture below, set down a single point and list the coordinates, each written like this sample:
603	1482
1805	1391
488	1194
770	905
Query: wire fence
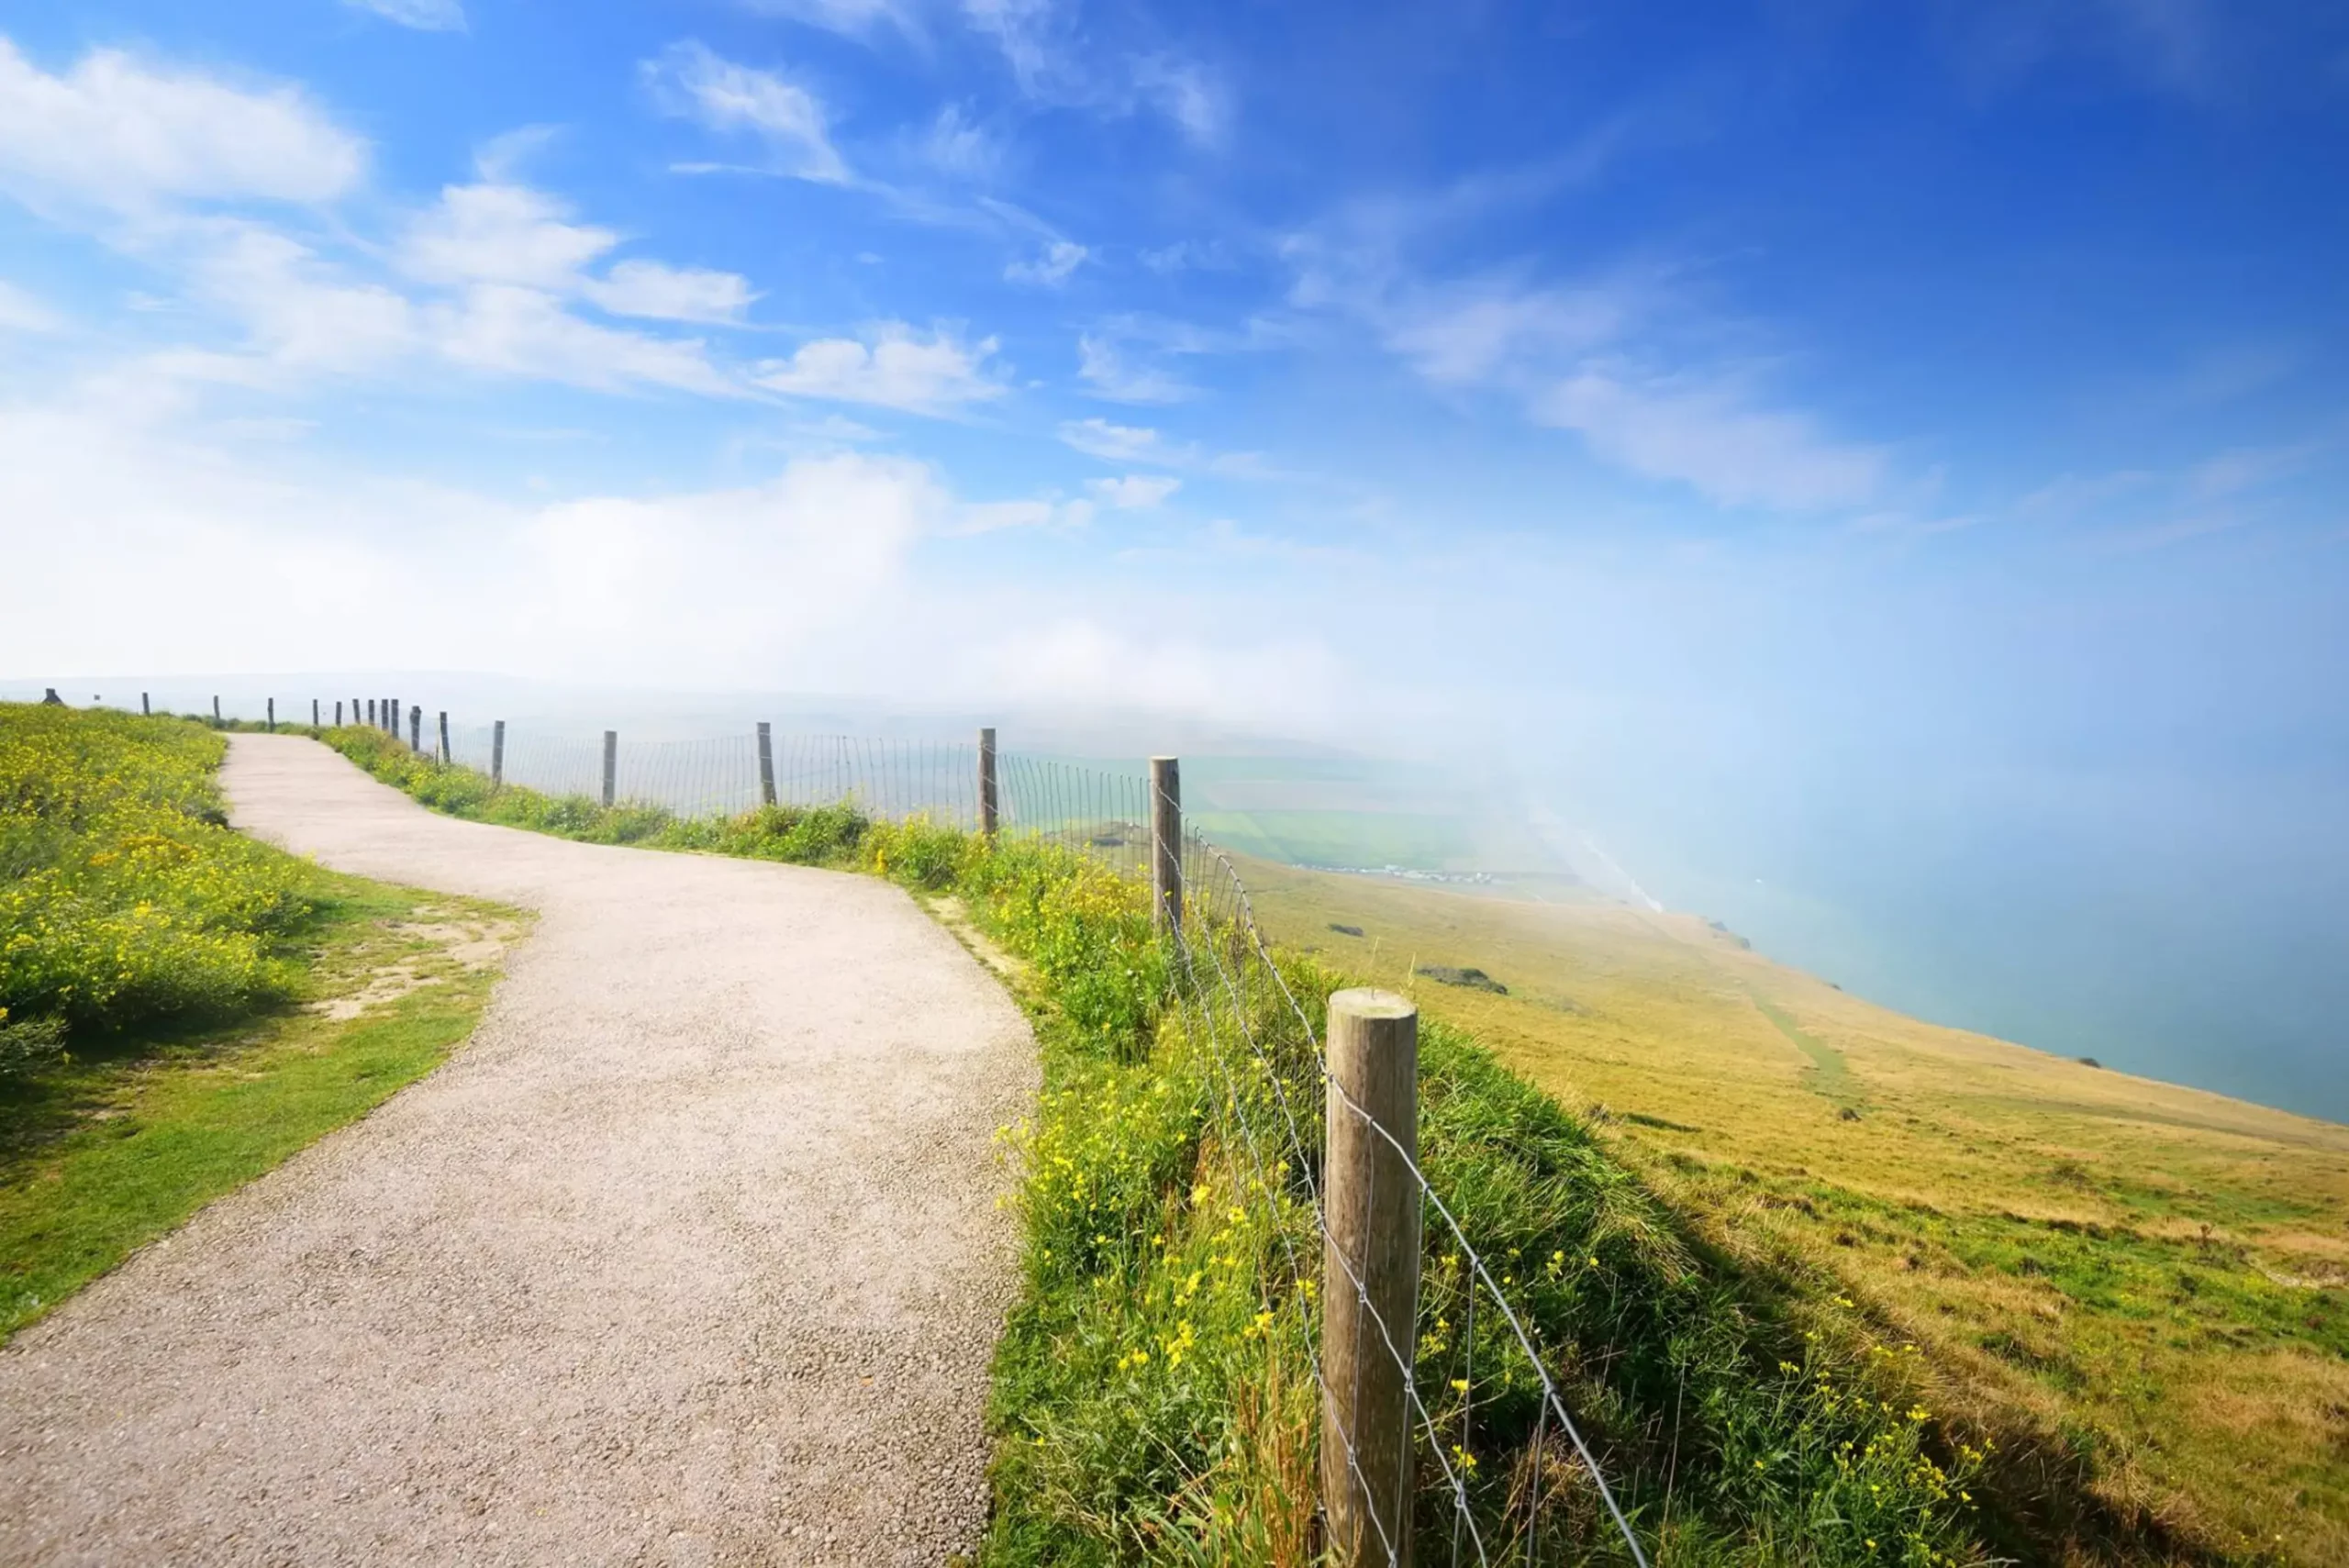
1279	1099
1470	1373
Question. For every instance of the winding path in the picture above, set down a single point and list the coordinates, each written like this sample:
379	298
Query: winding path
692	1255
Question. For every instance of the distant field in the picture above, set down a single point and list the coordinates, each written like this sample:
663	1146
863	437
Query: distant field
2145	1284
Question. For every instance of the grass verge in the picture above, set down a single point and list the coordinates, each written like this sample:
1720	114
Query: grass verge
1151	1397
206	1005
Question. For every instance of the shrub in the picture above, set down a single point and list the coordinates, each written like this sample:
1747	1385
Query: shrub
125	895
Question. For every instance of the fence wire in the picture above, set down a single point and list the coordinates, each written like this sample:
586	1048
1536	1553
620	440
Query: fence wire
1272	1063
1269	1059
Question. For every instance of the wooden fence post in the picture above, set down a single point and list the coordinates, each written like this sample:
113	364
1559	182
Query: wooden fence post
611	762
338	712
314	713
989	801
498	754
271	722
445	737
1166	843
416	727
766	764
1370	1280
144	708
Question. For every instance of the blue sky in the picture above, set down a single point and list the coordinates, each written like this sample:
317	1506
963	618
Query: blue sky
1724	414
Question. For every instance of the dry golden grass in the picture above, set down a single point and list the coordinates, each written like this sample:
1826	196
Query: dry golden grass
2142	1288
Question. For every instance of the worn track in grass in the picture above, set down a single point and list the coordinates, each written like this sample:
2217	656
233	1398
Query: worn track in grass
692	1255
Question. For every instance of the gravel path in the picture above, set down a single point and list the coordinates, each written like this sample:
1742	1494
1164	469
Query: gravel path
692	1255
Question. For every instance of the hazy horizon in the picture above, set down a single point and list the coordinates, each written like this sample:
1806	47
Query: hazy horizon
1878	470
2083	932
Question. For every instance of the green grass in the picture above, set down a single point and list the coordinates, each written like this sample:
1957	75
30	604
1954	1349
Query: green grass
124	896
1372	838
2137	1289
203	1059
1151	1399
1828	1073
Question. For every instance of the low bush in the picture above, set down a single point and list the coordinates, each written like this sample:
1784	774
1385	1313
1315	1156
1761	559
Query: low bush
124	896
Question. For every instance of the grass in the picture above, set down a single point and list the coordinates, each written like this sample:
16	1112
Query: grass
1151	1398
167	1089
2141	1291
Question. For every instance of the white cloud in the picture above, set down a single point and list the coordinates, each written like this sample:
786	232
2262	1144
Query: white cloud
1472	331
2239	469
524	332
1052	269
123	134
299	312
20	311
424	16
1134	491
893	367
1706	435
1024	30
1122	443
302	315
957	146
721	95
133	544
660	291
850	18
502	234
1050	512
1185	94
1102	363
511	234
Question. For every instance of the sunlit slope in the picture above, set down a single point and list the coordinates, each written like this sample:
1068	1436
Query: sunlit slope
2145	1282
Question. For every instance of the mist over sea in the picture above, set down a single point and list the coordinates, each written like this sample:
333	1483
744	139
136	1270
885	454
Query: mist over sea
2183	926
2183	921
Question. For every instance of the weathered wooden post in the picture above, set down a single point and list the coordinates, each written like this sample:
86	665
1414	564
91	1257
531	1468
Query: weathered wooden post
145	709
314	713
445	737
371	713
416	727
611	762
338	712
498	754
1166	843
988	802
1370	1280
766	764
215	710
271	722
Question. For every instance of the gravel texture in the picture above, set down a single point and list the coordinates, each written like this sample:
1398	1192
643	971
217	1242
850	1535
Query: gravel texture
693	1255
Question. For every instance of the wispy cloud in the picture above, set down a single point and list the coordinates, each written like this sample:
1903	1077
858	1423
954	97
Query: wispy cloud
1125	443
424	16
1051	268
1134	491
121	133
1107	371
1707	435
891	367
850	18
1115	443
1594	358
656	291
687	79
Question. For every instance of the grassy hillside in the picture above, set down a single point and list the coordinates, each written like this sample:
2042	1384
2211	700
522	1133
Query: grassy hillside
181	1006
2142	1289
